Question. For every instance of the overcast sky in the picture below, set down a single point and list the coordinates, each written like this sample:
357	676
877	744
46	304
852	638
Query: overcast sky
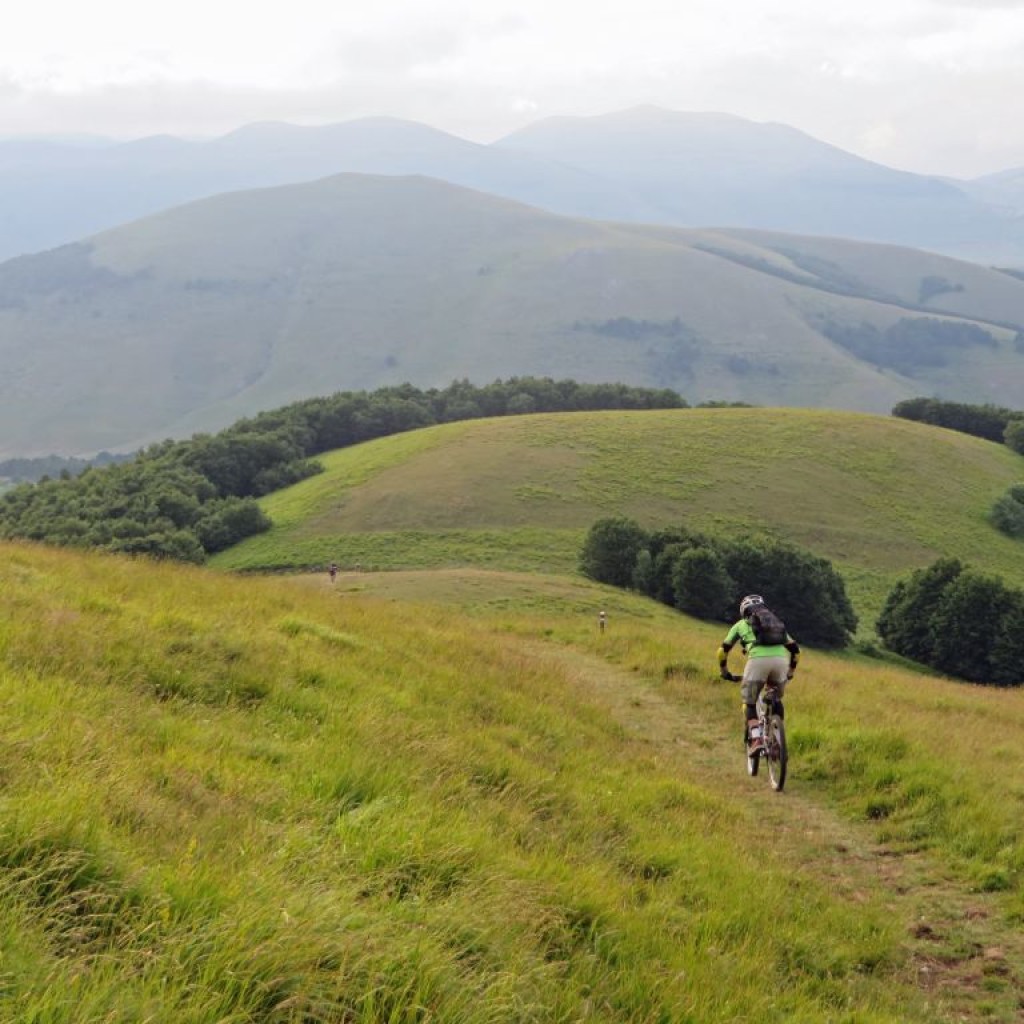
933	86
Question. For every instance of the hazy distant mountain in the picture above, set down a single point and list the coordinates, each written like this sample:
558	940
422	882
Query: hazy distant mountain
53	193
1005	189
719	170
643	165
192	318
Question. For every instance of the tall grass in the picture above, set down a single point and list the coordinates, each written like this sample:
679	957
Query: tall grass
931	764
245	800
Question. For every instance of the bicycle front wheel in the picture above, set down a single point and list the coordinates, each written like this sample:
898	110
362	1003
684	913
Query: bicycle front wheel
777	755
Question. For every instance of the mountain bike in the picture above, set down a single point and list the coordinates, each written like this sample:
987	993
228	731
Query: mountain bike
773	737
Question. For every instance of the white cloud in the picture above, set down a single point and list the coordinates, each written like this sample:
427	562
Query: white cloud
942	76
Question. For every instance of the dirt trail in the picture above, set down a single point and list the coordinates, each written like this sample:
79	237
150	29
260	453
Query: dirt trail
961	949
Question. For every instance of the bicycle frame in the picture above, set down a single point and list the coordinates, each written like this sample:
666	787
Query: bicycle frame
773	737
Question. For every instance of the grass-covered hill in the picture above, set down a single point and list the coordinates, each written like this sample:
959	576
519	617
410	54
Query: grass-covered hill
193	318
272	801
878	496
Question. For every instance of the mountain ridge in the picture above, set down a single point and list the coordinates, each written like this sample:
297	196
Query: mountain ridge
65	192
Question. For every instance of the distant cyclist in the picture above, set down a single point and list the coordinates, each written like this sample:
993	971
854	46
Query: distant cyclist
772	656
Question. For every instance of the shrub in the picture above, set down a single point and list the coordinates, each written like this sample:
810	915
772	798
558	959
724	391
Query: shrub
1007	514
958	622
610	551
228	521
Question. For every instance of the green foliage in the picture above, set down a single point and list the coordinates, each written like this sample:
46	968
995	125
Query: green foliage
702	584
1007	514
957	621
911	606
31	470
909	345
987	421
965	624
610	551
1013	434
189	499
803	588
1007	650
706	576
227	521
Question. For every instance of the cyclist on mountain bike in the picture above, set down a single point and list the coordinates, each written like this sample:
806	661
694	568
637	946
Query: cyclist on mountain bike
766	661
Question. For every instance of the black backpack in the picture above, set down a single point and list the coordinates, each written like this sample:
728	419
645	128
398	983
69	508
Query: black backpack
769	629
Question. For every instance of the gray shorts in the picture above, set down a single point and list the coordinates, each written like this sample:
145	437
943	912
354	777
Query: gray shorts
759	671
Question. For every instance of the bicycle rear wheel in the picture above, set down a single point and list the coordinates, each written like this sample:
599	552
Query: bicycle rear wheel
777	755
753	760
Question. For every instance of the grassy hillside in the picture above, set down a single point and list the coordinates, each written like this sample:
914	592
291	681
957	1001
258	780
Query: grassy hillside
876	495
212	311
256	800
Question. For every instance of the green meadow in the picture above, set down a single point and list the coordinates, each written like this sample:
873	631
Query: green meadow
446	796
433	790
879	496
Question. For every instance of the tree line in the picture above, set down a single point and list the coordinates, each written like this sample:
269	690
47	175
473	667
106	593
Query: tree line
707	576
31	469
188	499
991	422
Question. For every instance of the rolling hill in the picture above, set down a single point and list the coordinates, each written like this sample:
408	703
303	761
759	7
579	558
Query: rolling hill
878	496
190	319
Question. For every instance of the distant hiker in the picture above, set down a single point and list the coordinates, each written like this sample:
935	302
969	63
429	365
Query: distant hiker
772	656
602	620
332	570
